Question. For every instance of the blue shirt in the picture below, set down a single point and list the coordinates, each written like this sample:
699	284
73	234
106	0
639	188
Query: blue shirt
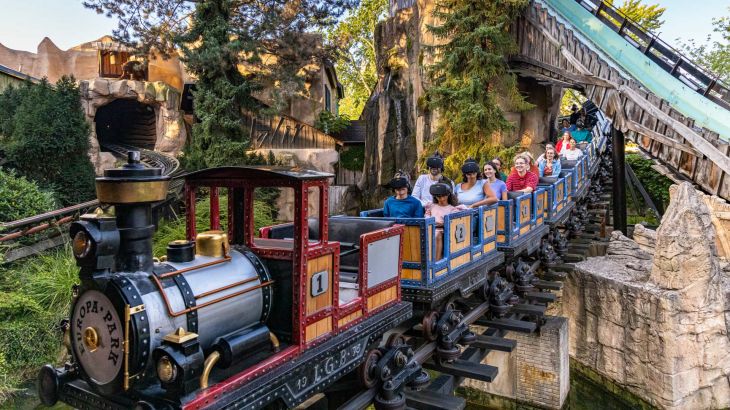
402	208
471	196
498	187
541	163
582	135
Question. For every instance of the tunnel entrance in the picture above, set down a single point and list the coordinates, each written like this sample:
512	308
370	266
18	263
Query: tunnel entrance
126	122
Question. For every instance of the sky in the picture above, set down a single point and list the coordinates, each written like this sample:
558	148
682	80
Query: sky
23	24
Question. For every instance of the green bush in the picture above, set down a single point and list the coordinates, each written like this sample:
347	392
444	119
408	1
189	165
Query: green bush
330	123
46	139
656	184
20	198
353	158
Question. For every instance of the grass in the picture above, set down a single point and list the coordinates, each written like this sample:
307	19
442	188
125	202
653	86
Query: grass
35	295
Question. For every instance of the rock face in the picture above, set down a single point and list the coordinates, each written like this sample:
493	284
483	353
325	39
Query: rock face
170	129
399	125
656	324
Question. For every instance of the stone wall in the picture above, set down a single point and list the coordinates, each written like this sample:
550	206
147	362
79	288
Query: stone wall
652	316
537	371
171	130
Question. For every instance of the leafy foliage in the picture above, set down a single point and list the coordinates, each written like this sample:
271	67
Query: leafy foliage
330	123
34	296
355	63
656	184
569	98
353	158
647	16
234	49
714	55
47	138
20	198
471	85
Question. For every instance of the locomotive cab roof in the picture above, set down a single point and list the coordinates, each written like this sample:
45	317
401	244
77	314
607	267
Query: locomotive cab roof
268	174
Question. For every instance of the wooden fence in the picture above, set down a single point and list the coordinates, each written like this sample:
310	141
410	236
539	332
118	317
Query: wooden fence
282	132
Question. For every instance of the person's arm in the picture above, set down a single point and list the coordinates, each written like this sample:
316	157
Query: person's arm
541	167
418	189
419	209
509	183
428	208
504	194
386	208
489	197
557	167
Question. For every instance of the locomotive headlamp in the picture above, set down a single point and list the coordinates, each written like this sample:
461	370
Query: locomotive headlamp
81	244
166	369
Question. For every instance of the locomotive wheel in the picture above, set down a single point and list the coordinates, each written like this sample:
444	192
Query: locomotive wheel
398	403
429	325
366	371
395	339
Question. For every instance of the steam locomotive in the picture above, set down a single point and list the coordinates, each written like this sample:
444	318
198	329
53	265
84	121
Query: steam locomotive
230	319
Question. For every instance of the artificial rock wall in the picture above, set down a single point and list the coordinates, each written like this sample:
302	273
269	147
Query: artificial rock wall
652	315
399	125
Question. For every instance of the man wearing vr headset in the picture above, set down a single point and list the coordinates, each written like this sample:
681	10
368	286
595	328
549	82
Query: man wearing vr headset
402	205
421	190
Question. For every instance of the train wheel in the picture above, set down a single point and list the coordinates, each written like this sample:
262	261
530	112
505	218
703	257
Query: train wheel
395	339
429	325
398	403
366	371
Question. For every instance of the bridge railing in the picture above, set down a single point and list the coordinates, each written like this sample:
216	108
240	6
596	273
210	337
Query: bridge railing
670	59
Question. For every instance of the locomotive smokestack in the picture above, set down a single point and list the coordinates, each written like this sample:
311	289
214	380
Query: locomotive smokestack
132	189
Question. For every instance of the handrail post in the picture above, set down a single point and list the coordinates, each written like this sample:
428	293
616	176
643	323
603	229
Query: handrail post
619	180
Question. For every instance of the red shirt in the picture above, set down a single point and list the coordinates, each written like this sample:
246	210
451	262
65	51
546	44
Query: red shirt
515	182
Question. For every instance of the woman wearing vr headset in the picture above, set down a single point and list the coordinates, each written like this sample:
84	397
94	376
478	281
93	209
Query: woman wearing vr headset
474	192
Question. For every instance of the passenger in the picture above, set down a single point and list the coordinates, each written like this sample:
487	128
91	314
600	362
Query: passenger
549	164
522	180
490	176
402	205
572	152
421	190
566	126
474	192
498	162
531	162
440	207
564	140
581	134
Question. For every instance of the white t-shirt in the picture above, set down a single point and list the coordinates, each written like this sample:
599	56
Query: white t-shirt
571	154
422	189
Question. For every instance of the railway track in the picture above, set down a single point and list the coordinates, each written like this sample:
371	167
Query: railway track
59	218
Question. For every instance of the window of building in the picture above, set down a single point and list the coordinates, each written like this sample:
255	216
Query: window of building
111	62
327	98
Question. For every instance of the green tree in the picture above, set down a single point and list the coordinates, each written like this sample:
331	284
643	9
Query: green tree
471	85
49	139
647	16
714	55
234	48
356	61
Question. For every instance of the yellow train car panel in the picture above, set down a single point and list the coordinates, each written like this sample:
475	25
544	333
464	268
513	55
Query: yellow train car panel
412	244
489	247
411	274
525	212
524	229
458	261
382	297
349	318
318	329
459	233
500	218
441	272
319	283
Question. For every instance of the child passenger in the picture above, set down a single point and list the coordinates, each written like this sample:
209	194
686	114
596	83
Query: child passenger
402	204
441	206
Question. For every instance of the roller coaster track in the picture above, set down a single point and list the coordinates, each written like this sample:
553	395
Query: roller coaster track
55	220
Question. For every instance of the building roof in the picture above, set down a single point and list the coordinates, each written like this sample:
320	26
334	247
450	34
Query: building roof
353	134
17	74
